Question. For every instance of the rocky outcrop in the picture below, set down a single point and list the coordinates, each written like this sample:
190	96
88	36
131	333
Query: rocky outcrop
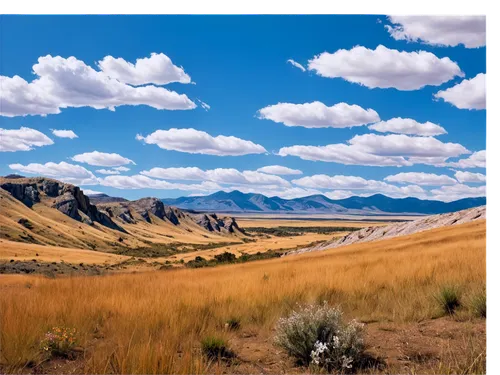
120	211
147	206
401	229
67	198
213	223
25	192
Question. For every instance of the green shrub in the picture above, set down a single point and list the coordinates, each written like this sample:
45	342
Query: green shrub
317	335
478	304
225	257
216	348
449	299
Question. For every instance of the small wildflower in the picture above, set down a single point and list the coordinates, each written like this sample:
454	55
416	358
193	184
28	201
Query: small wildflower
59	342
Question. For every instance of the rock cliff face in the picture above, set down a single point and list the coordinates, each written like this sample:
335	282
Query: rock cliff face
26	193
400	229
71	201
147	206
67	198
212	223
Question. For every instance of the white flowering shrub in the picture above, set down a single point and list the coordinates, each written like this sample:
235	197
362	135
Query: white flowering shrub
317	335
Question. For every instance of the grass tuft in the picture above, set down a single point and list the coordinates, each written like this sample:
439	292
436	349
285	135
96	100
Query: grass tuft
215	347
449	299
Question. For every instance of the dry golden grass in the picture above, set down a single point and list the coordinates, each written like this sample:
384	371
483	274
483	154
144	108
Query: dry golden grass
153	322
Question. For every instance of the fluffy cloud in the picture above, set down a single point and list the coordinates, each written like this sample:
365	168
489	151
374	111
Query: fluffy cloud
470	177
341	182
408	126
420	178
144	182
440	30
121	169
69	82
101	159
342	154
198	142
219	175
380	150
157	69
71	173
339	194
458	191
275	191
476	160
296	64
22	139
107	171
279	170
468	94
386	68
91	192
64	133
403	145
318	115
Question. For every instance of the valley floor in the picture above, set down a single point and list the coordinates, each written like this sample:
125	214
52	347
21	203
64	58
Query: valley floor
153	322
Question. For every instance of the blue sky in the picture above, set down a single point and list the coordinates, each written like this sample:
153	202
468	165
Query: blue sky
239	65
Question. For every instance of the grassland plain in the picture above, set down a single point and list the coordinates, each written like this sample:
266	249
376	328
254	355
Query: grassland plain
153	322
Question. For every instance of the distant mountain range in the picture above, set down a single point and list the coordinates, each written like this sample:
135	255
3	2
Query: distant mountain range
377	204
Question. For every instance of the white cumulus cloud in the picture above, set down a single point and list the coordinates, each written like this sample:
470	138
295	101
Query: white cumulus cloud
380	150
107	171
342	154
339	194
386	68
158	69
476	160
403	145
218	175
469	31
121	169
102	159
199	142
90	192
459	191
144	182
470	177
22	139
408	126
69	82
279	170
318	115
468	94
341	182
70	173
296	64
64	133
421	178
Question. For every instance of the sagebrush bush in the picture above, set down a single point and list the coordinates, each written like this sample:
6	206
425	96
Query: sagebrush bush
216	348
59	342
317	335
449	299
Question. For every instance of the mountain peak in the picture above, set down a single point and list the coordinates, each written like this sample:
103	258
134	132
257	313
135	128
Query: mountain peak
376	204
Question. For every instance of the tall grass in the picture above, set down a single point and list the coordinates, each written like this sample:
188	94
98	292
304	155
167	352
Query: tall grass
154	322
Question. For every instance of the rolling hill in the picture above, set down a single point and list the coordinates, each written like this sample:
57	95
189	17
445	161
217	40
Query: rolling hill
47	212
377	204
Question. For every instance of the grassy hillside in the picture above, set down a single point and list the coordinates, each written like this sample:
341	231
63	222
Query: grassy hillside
154	322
